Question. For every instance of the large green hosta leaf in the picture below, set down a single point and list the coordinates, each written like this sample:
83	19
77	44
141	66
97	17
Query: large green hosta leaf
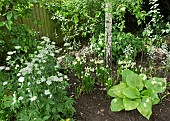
130	104
126	73
158	85
117	90
117	104
132	93
134	80
154	96
145	107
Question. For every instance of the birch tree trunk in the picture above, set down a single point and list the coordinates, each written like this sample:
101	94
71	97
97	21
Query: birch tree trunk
108	34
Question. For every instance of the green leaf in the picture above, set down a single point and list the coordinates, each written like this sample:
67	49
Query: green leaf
150	93
134	80
125	73
130	104
76	19
2	24
9	15
46	118
131	93
117	90
158	85
8	24
117	104
145	107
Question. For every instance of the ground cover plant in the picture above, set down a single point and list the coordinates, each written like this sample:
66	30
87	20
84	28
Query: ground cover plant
42	82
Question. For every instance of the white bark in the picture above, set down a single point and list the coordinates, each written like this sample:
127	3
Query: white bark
108	34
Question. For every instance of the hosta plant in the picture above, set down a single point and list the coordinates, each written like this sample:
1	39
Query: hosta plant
136	92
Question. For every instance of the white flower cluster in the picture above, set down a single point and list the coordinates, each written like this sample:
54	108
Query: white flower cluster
128	51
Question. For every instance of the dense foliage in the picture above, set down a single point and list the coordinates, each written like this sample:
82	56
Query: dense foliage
34	71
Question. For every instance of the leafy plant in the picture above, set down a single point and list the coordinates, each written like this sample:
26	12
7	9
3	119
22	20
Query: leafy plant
136	92
35	89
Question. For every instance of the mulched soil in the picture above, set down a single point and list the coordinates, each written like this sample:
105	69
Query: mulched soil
95	107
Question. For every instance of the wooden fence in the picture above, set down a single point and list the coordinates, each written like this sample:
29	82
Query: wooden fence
40	21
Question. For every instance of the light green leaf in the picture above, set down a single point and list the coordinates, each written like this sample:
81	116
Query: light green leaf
117	104
9	15
125	73
134	80
46	118
117	90
158	85
154	96
145	107
130	104
76	19
131	93
8	24
2	24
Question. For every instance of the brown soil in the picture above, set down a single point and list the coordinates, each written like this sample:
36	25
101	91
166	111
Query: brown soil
95	107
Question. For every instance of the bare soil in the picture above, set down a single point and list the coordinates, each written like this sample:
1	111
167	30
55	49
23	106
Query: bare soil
96	107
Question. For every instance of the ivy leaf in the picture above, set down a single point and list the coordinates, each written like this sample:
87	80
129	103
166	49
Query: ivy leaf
158	85
130	104
150	93
117	104
9	15
117	90
131	93
134	80
145	107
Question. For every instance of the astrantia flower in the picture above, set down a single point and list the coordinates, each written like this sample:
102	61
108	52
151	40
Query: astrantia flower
17	47
33	98
8	58
10	53
21	79
48	82
2	67
5	83
7	68
20	98
47	92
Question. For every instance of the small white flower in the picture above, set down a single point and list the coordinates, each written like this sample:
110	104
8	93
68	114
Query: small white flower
19	74
10	53
8	58
47	92
33	98
48	82
17	47
43	79
2	67
21	79
38	82
7	68
5	83
20	98
39	72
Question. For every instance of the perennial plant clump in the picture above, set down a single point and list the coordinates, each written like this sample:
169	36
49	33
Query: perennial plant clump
35	89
